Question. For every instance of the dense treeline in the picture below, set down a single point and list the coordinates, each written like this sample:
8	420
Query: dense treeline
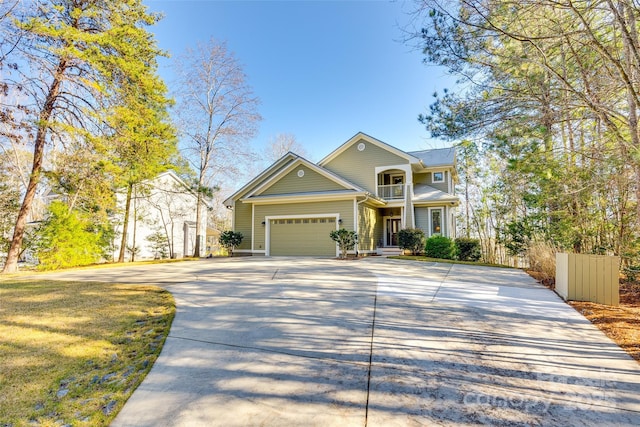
81	108
84	117
548	115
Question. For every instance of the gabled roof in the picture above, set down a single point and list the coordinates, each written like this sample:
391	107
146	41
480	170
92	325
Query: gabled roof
302	161
436	157
363	136
251	184
271	175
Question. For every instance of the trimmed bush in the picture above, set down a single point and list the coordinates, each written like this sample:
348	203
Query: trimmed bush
468	249
230	240
439	247
411	239
345	239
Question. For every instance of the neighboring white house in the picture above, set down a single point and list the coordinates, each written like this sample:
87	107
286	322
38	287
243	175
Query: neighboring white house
162	219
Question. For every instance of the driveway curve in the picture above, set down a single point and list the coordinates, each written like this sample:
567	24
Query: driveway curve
374	342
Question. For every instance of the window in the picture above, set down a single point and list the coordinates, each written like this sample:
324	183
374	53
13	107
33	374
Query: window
436	221
438	177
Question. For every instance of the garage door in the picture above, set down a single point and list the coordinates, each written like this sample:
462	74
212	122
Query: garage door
302	237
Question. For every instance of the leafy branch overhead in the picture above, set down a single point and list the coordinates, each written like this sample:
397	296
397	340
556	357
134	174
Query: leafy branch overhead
548	100
81	75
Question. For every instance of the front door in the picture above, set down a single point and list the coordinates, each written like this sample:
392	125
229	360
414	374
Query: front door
393	226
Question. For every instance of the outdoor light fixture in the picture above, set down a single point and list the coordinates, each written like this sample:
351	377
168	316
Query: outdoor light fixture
263	223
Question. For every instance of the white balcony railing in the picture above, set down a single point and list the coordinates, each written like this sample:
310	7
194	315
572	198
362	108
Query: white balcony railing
391	192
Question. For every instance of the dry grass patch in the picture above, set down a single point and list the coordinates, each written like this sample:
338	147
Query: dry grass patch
72	353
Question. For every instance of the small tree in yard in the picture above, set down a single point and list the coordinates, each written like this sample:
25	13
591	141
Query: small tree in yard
345	239
439	247
411	239
230	240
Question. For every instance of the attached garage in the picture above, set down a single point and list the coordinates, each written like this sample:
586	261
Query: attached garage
301	236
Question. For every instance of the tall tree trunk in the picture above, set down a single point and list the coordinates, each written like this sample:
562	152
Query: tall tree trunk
11	265
125	225
196	249
135	225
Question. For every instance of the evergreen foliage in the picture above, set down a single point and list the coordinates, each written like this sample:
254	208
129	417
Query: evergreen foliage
468	249
552	109
411	239
346	240
68	239
85	72
439	247
230	240
159	244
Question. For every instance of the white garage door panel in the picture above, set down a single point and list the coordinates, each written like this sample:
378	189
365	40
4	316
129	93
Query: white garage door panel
302	237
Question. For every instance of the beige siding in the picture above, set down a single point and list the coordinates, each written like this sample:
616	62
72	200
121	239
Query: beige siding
242	213
310	181
319	209
408	217
422	219
427	178
370	228
359	166
583	277
422	178
442	186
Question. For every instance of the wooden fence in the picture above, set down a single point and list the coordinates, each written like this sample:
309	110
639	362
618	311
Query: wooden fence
594	278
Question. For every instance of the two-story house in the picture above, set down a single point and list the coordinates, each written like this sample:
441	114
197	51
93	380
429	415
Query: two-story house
365	185
165	208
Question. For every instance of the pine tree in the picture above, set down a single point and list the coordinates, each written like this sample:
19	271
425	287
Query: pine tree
74	58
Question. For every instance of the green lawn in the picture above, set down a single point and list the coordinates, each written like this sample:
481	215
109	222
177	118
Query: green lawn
72	353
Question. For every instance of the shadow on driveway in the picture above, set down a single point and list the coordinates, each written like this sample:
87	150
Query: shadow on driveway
377	342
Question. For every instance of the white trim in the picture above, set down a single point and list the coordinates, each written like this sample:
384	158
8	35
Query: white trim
296	198
267	220
433	177
278	163
355	215
410	206
442	212
290	167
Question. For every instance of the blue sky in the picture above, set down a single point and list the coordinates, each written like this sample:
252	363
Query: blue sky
323	70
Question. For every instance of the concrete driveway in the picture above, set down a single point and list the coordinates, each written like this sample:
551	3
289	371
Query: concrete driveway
375	342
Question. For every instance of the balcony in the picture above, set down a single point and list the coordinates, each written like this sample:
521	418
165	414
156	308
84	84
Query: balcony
391	192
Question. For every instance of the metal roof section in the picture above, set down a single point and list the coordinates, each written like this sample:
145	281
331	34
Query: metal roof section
436	157
423	193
